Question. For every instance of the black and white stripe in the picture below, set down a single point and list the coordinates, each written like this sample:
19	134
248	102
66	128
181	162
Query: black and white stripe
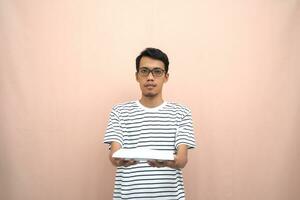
162	128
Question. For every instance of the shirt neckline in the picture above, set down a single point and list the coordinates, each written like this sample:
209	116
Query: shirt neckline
150	109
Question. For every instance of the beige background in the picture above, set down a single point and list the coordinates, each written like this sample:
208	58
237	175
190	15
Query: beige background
64	64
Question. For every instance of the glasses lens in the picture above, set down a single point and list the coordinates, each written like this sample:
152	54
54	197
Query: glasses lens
158	72
144	71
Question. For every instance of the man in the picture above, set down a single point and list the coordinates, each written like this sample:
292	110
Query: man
153	123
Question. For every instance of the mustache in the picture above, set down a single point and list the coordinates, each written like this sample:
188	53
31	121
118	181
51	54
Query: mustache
150	84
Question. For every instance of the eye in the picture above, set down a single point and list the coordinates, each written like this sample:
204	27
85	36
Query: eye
144	70
158	71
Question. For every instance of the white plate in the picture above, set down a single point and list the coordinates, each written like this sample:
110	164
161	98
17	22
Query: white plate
144	154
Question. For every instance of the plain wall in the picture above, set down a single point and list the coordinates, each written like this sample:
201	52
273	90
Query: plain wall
64	64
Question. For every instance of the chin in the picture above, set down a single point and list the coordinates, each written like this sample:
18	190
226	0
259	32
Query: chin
150	94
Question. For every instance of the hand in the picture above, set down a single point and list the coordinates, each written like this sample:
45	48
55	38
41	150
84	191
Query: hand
179	162
123	162
164	163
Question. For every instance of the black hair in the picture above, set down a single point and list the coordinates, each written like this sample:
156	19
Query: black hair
154	54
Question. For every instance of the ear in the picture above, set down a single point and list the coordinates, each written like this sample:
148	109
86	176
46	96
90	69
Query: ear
136	77
166	78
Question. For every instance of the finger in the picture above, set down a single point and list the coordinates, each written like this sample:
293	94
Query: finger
158	164
150	162
130	162
119	162
153	164
124	162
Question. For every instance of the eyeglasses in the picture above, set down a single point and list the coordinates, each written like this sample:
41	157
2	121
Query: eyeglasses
156	72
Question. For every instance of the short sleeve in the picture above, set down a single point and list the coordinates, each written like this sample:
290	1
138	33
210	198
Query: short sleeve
113	131
185	132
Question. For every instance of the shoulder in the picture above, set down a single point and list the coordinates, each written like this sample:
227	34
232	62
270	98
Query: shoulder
178	107
120	107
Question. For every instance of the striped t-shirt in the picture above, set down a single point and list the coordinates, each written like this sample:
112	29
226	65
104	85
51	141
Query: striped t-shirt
161	128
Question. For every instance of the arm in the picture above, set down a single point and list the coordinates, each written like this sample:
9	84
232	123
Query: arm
119	161
181	159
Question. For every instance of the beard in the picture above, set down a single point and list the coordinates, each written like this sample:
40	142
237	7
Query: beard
150	94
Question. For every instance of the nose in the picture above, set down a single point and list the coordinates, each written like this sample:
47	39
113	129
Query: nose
150	76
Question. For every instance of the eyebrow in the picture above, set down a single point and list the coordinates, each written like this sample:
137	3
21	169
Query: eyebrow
151	68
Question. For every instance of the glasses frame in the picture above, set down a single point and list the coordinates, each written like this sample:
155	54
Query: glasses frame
151	71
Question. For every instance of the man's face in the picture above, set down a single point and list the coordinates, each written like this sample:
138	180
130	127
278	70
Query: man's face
151	85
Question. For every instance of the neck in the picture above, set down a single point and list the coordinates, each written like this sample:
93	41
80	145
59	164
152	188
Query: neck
151	102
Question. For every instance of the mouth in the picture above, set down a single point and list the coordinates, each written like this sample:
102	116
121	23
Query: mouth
149	86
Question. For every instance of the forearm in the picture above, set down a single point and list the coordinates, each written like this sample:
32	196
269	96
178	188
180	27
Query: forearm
181	158
114	147
180	162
